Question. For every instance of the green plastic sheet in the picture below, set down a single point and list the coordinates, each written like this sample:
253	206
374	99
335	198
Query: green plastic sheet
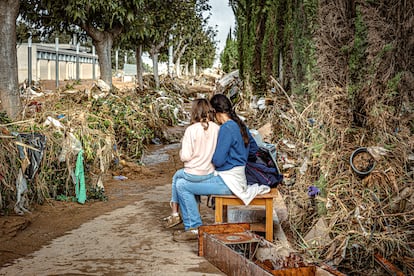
80	188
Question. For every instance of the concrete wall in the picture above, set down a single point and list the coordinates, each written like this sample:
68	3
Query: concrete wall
45	69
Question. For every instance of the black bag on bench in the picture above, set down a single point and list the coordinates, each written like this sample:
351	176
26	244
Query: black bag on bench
264	170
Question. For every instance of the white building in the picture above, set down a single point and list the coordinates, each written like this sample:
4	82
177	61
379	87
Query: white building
38	62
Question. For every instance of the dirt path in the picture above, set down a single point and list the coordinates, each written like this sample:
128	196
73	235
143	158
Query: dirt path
122	236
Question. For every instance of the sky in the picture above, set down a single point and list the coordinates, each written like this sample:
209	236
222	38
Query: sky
222	16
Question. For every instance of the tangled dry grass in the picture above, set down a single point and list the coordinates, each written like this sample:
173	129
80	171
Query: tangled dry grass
112	129
369	215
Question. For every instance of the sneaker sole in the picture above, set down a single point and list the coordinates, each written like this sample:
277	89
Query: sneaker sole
178	238
172	225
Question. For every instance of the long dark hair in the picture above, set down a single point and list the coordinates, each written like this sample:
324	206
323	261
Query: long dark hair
201	111
222	104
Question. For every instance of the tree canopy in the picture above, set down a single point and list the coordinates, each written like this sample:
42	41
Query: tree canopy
140	22
103	21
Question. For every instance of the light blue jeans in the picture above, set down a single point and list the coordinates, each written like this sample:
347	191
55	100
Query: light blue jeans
187	192
187	176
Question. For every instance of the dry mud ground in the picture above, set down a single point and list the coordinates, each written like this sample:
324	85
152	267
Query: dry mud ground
121	236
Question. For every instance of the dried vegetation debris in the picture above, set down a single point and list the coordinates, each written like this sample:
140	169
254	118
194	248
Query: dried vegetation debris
363	216
112	127
352	218
355	220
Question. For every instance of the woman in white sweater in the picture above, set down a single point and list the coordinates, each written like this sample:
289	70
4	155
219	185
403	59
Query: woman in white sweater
197	148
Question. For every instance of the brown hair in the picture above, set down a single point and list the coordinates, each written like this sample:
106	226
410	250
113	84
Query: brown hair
202	112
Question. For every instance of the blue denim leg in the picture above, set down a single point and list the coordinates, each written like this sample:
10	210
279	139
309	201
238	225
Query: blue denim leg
190	177
178	174
186	197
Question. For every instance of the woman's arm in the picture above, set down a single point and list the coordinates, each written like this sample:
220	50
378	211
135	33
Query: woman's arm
186	152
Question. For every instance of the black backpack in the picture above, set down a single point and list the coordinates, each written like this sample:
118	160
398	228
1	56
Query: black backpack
264	170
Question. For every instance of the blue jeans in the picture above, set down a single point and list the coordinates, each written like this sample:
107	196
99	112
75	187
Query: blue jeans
187	191
188	176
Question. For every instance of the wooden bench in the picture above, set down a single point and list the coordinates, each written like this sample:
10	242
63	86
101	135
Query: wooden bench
266	200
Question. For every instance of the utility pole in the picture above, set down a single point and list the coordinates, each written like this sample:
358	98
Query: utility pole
57	61
116	60
170	57
77	62
93	63
29	60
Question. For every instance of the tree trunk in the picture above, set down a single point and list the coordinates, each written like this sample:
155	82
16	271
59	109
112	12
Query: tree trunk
178	67
103	41
9	83
154	53
180	52
155	69
138	57
103	49
186	69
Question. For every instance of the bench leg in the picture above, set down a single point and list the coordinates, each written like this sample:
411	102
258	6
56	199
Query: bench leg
269	219
219	210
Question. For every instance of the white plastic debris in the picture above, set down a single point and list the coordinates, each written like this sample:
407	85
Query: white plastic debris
257	137
120	177
261	103
289	145
54	122
30	93
288	166
70	145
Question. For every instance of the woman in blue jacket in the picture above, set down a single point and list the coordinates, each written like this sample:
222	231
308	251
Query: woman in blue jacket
235	145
